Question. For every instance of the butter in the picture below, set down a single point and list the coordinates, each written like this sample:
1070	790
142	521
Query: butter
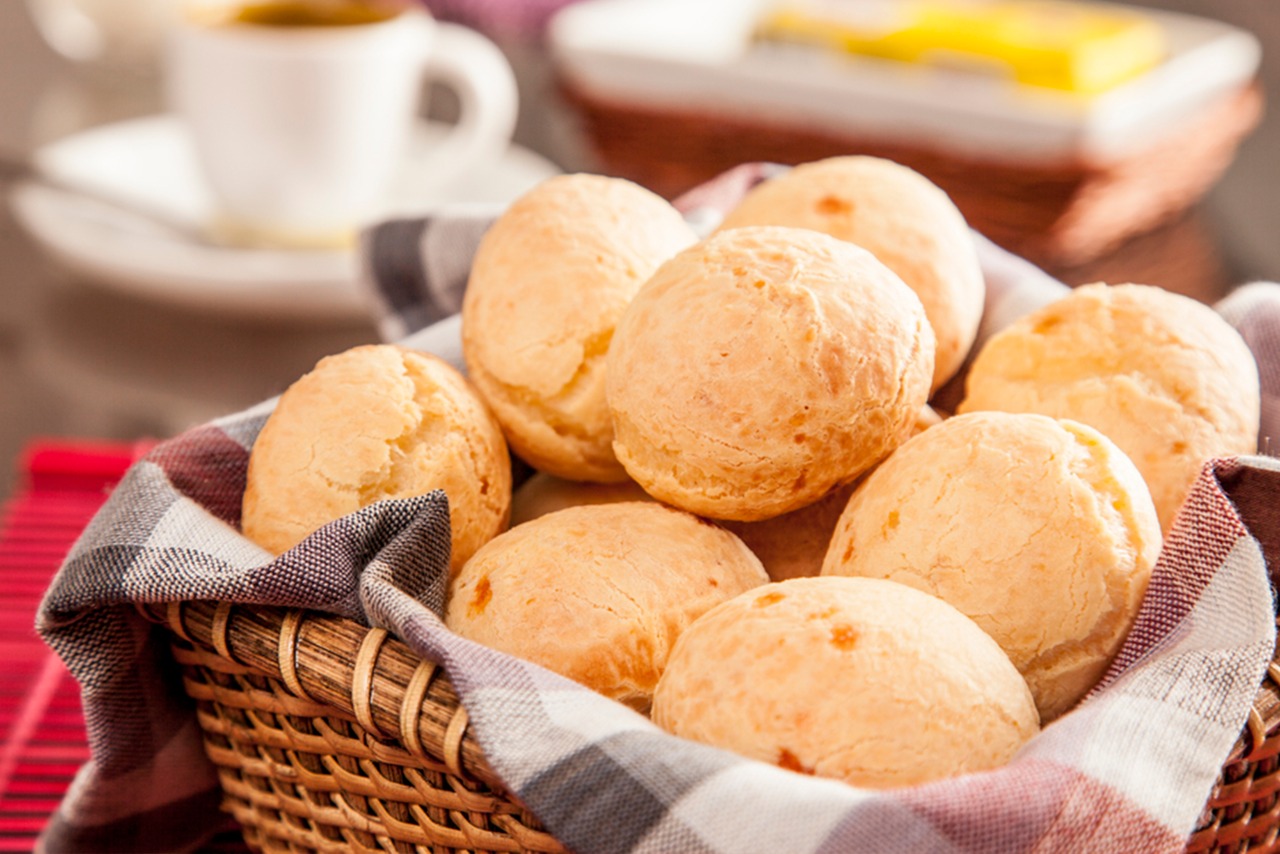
1085	48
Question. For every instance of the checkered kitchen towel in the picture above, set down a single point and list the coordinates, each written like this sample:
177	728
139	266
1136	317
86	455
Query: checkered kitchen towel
1129	770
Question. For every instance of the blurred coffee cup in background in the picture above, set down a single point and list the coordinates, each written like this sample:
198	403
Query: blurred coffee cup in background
300	112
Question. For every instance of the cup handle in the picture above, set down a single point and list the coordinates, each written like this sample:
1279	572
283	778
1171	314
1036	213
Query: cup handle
478	72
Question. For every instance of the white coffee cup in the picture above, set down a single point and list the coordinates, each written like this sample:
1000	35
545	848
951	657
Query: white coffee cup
300	129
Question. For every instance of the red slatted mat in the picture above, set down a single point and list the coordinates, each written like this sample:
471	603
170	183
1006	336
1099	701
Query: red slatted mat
62	486
42	739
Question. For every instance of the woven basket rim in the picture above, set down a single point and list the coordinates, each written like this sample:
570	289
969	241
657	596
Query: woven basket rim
376	680
369	677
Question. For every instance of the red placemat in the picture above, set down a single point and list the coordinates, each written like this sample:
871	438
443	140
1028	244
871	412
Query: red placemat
63	485
42	740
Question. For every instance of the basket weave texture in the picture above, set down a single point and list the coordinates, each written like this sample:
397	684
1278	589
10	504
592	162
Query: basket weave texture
332	737
1243	813
1059	214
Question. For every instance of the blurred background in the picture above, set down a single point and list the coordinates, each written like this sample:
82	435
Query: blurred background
1164	173
1243	207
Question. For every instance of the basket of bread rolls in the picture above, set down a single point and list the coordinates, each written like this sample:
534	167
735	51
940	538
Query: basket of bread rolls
752	537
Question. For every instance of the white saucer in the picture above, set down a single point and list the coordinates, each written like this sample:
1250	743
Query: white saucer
150	161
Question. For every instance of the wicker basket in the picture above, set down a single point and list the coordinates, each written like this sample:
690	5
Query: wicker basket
331	737
1065	216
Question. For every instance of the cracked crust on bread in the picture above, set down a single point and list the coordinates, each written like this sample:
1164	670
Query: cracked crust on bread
903	219
1041	531
600	593
761	369
1161	375
376	422
550	279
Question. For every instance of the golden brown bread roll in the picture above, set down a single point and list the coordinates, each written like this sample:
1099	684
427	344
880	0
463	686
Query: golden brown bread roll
762	368
862	680
371	423
600	593
1161	375
1042	531
903	219
789	546
549	281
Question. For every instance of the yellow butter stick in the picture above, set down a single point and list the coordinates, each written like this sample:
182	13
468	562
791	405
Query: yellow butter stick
1077	47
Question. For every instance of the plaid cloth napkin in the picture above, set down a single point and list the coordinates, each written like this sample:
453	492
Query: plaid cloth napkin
1128	770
